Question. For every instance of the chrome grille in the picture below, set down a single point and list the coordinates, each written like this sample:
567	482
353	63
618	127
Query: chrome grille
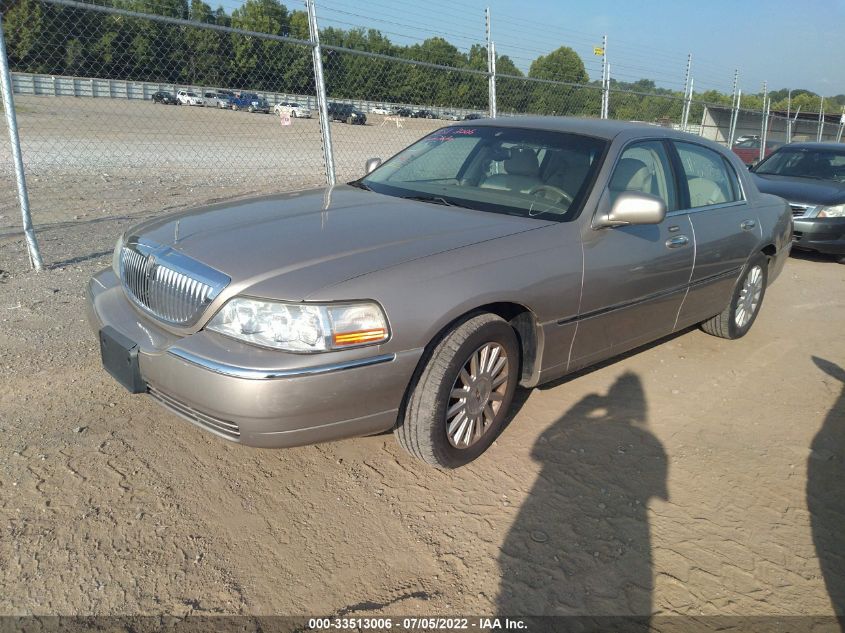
799	210
170	286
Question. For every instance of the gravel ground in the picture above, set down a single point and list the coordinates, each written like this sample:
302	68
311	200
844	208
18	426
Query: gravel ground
698	476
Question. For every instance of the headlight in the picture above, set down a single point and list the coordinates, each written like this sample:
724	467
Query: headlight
832	212
115	258
302	327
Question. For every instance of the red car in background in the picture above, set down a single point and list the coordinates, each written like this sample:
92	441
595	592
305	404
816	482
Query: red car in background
748	150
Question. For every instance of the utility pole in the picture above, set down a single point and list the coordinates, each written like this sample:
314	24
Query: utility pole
491	67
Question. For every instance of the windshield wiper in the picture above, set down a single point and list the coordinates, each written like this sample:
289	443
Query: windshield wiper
360	185
431	199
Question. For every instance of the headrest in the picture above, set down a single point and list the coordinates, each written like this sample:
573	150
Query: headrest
630	175
523	162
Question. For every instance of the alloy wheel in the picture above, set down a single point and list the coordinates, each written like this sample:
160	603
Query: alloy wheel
477	395
749	297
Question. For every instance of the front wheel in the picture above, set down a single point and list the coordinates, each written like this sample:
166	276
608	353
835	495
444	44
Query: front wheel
742	310
458	404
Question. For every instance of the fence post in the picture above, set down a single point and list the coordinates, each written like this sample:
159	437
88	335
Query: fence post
767	106
15	141
687	106
821	122
320	84
491	69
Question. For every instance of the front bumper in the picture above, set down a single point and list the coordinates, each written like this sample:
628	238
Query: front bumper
823	235
253	396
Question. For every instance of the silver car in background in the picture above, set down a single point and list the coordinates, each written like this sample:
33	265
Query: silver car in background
490	254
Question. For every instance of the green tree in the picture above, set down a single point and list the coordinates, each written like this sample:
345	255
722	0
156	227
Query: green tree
259	63
561	65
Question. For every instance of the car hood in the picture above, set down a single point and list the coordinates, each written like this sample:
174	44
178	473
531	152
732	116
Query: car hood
291	245
804	190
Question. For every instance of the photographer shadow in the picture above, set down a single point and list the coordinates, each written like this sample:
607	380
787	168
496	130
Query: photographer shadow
826	494
581	542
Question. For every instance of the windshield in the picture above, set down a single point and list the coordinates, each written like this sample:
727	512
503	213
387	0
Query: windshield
532	173
820	164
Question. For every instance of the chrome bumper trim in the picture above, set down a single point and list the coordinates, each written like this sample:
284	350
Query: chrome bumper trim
272	374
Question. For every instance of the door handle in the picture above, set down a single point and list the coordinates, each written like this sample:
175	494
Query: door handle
747	225
677	242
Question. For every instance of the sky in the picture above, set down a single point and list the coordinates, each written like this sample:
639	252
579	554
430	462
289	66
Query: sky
788	43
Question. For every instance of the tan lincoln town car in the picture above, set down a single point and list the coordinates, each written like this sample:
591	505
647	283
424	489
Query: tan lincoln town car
490	254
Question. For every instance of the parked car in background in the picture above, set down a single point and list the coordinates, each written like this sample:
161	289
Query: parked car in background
165	98
423	114
747	137
811	177
485	256
347	113
749	150
296	110
405	112
472	116
186	97
250	102
380	109
224	99
451	116
213	99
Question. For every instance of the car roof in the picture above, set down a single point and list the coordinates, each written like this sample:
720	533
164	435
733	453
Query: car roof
601	128
816	145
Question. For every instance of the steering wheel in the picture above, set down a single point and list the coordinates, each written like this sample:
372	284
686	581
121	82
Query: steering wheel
544	190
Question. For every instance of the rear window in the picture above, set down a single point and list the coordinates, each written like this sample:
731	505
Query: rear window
709	177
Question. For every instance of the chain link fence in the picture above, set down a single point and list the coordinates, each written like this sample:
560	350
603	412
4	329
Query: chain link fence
193	124
101	137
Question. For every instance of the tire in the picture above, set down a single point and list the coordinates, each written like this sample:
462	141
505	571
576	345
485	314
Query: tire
731	323
293	114
235	107
250	109
423	426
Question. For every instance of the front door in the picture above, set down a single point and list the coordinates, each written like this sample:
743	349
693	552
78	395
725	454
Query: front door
635	277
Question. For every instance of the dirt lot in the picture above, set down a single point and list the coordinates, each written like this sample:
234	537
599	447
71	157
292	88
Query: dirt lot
698	476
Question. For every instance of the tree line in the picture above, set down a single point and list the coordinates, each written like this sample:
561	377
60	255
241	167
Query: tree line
53	39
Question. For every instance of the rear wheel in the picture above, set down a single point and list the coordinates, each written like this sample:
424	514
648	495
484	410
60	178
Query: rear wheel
456	407
742	310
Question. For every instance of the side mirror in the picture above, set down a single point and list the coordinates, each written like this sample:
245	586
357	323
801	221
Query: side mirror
633	207
371	165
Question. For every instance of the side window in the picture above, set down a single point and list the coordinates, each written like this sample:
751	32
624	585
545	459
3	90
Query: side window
710	179
645	167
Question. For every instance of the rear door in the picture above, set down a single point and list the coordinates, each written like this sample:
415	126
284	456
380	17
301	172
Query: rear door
725	226
635	277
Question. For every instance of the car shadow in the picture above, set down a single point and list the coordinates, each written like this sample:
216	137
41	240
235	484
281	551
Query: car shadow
812	256
826	493
581	542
